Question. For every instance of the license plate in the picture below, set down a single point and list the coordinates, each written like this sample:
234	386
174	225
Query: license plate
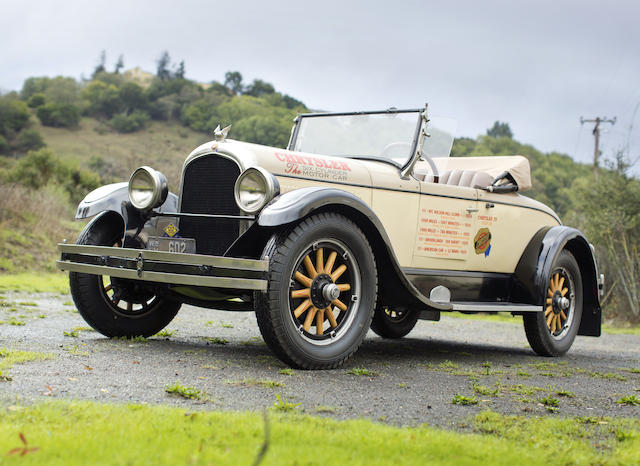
180	245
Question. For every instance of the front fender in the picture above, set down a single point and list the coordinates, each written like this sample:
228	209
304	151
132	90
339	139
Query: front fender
115	197
395	287
534	269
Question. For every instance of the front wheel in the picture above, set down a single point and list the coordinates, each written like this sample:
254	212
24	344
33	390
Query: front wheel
551	333
117	307
321	292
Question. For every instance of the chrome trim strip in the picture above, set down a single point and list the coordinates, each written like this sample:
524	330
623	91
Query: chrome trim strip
163	256
495	307
173	278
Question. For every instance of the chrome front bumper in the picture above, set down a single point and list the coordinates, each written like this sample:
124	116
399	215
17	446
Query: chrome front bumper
165	267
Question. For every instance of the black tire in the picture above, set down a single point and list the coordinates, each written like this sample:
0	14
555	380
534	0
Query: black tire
117	307
335	338
393	323
548	333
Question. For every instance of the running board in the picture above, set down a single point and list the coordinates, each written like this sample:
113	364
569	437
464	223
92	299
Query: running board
495	307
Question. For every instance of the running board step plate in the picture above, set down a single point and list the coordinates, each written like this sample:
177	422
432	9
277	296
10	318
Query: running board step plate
495	307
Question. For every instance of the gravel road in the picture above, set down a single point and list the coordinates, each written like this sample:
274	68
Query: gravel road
409	381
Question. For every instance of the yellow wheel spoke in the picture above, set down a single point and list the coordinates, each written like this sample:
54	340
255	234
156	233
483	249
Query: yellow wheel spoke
304	293
556	279
310	315
553	323
558	323
332	320
330	261
303	279
549	309
339	304
564	291
303	307
563	315
550	293
561	283
309	266
549	300
108	288
320	322
320	261
549	319
344	287
338	272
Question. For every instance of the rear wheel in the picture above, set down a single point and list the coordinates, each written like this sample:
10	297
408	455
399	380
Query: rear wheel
321	292
394	322
552	332
117	307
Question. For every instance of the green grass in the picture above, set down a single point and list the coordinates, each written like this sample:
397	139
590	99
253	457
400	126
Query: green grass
76	434
631	400
631	330
464	400
183	391
10	357
362	371
48	282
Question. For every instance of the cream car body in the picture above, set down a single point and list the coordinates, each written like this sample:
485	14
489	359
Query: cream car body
444	234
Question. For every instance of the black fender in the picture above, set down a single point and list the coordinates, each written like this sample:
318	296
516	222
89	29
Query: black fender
106	220
115	198
394	287
534	268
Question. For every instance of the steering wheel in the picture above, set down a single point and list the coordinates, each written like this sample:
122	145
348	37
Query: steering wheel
393	145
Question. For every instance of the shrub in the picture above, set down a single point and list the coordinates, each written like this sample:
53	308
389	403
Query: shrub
29	139
59	115
14	115
4	145
124	123
36	100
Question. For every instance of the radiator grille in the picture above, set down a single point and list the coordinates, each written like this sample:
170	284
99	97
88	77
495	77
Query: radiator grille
207	188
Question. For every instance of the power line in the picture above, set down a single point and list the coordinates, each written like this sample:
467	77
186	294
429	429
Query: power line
596	134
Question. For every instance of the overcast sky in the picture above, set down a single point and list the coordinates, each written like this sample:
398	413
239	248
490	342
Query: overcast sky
538	65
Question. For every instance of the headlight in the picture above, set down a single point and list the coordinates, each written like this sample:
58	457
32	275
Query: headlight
254	188
148	188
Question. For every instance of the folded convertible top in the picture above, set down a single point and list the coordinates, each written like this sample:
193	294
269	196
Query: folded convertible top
516	165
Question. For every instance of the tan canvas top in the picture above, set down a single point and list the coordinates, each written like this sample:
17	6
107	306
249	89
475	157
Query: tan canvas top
517	166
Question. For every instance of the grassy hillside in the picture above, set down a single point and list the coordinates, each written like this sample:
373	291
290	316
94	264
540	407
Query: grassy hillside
162	145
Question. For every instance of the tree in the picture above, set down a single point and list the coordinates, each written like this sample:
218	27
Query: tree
101	62
179	74
259	88
500	130
119	65
29	139
59	115
233	81
163	72
14	115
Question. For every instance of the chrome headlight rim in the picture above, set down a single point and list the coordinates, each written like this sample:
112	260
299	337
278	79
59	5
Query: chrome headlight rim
269	182
158	186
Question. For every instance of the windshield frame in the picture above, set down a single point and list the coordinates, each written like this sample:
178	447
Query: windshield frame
414	143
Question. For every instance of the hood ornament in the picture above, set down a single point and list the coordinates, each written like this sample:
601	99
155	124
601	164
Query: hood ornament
221	134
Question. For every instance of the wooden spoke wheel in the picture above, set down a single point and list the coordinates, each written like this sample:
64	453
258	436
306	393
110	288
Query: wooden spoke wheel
394	322
324	291
117	307
321	294
559	303
552	331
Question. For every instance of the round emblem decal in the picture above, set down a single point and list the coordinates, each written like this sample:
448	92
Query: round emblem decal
482	241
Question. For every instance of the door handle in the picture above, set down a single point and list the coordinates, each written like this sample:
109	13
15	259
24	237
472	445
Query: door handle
471	209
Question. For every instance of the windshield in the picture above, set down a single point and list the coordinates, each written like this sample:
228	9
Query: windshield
386	136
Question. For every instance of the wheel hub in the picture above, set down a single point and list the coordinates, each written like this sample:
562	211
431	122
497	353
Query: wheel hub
323	291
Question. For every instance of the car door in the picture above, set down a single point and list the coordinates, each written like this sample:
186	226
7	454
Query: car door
446	221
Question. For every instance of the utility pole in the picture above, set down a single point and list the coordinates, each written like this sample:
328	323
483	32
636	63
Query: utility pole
596	134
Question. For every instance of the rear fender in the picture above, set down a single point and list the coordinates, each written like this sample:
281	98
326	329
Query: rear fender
535	265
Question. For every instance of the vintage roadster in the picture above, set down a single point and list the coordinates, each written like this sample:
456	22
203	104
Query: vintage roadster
364	221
